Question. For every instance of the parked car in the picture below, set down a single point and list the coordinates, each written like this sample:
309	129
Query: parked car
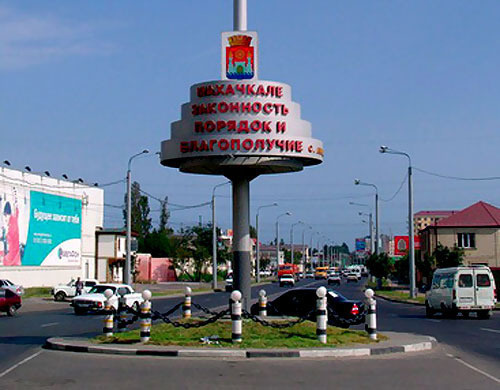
6	283
287	280
229	283
94	299
64	291
462	290
352	277
309	275
334	278
301	302
10	301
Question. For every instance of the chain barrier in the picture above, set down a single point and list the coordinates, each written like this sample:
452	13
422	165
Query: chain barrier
275	325
203	309
177	324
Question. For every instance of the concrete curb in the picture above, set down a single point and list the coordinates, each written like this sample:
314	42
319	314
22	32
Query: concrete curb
399	301
80	345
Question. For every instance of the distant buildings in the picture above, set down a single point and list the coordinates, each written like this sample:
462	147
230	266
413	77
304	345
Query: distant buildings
422	219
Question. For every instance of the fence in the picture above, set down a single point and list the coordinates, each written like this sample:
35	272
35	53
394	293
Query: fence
125	316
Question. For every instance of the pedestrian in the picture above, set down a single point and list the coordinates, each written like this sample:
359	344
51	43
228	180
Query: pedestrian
79	286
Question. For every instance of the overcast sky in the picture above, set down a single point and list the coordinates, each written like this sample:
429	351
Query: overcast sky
84	85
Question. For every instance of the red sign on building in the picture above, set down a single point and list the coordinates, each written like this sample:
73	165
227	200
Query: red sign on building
402	244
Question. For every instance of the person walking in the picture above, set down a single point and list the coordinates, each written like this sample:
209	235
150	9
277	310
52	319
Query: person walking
79	286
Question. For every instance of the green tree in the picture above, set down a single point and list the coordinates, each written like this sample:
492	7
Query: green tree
253	232
446	257
380	266
140	220
164	216
402	269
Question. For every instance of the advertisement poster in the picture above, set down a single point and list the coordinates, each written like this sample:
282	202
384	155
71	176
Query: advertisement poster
39	229
402	244
360	245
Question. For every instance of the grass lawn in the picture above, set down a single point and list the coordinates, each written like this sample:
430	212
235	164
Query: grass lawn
401	295
178	292
302	335
37	292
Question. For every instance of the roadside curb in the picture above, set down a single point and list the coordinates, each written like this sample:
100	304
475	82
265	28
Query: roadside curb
416	344
399	301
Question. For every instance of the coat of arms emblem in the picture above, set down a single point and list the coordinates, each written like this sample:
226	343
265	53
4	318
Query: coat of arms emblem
240	58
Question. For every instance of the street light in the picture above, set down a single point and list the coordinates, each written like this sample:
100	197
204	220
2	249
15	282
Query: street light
304	248
257	249
278	236
128	262
214	237
312	235
359	182
370	227
372	242
291	239
386	149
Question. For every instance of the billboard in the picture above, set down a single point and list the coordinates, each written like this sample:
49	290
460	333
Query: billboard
39	229
402	243
360	245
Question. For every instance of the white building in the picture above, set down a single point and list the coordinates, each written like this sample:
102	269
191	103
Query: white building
47	228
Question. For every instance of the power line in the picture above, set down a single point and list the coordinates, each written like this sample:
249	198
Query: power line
457	177
398	190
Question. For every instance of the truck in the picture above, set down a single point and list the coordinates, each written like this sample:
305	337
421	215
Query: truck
288	269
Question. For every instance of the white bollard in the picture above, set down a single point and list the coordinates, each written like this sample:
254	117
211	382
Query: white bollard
236	317
262	303
371	316
108	318
122	314
321	314
146	316
186	308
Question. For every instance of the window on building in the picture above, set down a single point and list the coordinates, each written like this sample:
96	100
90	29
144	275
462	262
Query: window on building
466	240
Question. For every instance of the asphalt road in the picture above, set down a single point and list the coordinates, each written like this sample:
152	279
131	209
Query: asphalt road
468	355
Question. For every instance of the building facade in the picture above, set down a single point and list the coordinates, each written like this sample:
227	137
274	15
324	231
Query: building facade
47	228
475	229
425	218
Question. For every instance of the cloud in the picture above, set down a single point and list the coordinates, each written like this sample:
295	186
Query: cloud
27	40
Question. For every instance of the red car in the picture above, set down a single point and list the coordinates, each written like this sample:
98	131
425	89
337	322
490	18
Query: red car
10	302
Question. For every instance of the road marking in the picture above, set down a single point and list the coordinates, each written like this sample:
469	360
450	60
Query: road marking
21	362
490	330
431	320
474	368
49	324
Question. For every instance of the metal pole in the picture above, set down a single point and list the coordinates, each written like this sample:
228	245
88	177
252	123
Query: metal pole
257	249
240	15
241	238
277	243
291	244
303	253
377	249
214	244
371	233
411	233
128	261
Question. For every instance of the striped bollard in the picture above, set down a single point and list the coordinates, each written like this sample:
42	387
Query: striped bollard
122	315
186	308
321	315
371	317
236	316
262	303
146	316
108	318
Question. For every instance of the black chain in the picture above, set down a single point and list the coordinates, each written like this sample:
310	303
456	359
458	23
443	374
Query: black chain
204	309
186	325
280	325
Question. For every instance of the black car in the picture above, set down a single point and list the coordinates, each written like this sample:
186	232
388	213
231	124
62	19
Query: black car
301	302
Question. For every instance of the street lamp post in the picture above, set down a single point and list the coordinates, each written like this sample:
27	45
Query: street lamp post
257	248
385	149
312	235
214	237
359	182
291	239
278	236
128	261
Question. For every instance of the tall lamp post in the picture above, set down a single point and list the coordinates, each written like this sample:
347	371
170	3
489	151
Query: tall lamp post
385	149
359	182
214	237
278	236
291	239
370	227
128	261
372	243
312	235
257	248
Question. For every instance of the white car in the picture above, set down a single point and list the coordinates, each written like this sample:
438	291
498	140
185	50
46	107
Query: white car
287	280
334	278
5	283
94	300
352	277
64	291
462	290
